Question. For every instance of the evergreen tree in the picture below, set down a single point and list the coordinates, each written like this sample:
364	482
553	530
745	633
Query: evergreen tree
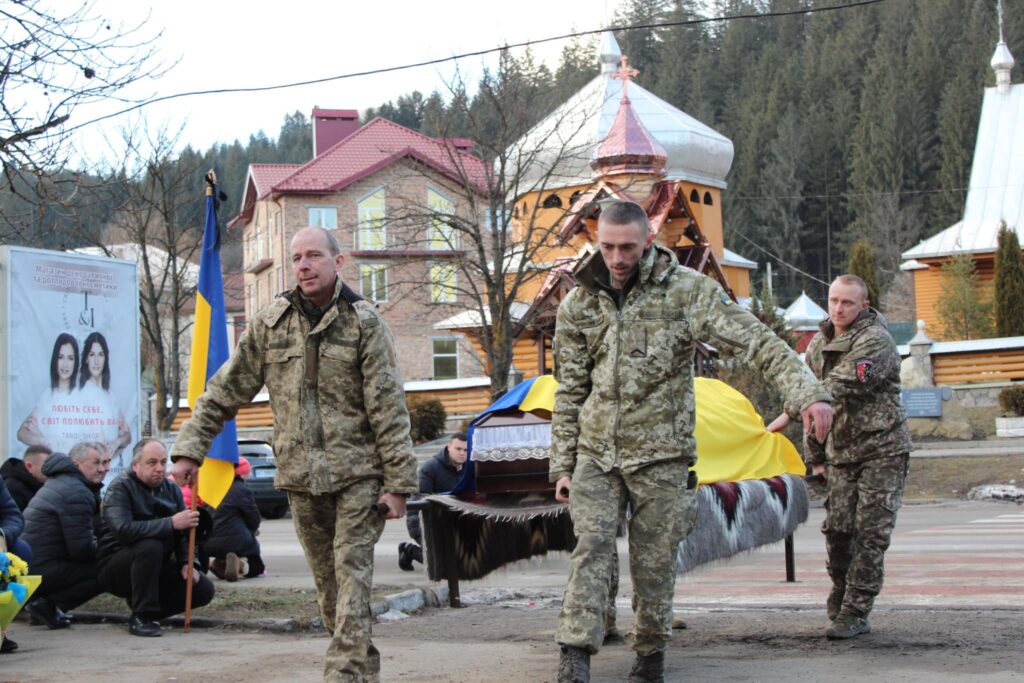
862	264
642	45
1009	294
965	312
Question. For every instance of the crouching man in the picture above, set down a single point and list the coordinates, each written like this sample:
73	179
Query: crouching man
60	524
143	544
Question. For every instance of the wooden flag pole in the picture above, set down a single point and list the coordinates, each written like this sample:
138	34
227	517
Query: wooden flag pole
193	506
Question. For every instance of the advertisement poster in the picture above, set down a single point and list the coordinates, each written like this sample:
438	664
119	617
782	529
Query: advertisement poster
72	352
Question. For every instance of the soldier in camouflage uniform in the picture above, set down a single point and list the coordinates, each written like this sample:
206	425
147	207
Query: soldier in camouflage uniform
865	458
622	429
341	434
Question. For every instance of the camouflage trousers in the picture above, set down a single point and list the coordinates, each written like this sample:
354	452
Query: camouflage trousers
658	498
337	532
863	499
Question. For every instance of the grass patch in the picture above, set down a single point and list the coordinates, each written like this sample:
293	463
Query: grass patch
246	600
955	477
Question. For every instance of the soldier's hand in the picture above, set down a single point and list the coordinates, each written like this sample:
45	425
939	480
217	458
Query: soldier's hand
818	415
778	424
184	471
186	519
819	471
562	488
395	503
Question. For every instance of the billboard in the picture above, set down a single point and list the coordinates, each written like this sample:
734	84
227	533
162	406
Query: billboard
71	352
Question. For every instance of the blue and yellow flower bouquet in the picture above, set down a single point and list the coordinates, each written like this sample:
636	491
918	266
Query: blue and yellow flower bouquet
16	587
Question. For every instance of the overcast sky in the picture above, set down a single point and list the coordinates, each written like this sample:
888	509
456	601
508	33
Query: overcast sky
257	43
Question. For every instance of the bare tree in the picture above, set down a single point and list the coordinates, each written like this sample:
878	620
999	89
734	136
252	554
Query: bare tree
500	245
52	62
157	220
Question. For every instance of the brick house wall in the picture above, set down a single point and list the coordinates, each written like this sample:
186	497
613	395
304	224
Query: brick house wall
408	310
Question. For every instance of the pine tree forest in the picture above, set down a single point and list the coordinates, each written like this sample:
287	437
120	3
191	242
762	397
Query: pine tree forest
855	124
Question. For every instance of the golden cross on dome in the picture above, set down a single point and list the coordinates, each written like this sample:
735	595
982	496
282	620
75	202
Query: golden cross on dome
625	72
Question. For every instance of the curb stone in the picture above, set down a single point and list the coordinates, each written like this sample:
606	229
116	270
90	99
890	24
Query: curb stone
397	604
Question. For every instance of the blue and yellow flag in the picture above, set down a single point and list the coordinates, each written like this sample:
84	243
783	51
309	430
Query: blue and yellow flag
209	352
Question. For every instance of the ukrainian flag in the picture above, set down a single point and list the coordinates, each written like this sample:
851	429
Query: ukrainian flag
209	352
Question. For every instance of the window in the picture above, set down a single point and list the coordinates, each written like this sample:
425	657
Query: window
442	284
446	358
279	278
373	282
259	295
324	217
259	244
372	235
552	201
442	234
707	199
251	295
694	196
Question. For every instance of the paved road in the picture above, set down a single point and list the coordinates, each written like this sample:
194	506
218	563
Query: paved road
952	609
954	553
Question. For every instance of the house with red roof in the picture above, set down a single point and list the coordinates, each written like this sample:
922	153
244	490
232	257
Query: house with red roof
380	187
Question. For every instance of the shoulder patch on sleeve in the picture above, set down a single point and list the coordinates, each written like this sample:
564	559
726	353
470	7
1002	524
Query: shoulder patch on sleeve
864	369
367	314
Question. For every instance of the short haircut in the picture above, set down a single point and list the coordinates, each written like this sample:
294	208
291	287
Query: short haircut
81	450
33	452
62	339
850	279
95	338
624	213
140	445
333	246
461	436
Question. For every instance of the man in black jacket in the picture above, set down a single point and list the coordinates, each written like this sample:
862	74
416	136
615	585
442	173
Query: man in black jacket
143	544
440	474
24	476
60	526
236	521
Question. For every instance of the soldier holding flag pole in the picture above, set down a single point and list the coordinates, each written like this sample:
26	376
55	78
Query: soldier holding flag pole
341	434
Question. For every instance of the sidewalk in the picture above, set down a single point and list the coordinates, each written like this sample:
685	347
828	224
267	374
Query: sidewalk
960	449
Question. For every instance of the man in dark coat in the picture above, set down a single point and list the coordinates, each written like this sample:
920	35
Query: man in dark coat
60	526
24	476
11	526
143	543
236	521
440	474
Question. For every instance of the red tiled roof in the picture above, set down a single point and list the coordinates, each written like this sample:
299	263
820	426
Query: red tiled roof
265	176
371	148
258	181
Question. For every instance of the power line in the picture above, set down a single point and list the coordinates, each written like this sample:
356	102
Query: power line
475	53
778	258
879	193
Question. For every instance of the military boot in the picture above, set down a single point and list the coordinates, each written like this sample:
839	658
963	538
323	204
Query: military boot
574	666
835	601
648	668
847	625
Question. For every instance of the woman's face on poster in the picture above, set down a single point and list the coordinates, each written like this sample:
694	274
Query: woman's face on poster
66	362
96	360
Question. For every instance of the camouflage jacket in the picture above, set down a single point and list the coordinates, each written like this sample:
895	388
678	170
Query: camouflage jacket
348	423
861	369
625	395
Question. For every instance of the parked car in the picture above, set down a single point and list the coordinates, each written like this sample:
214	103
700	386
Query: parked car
272	502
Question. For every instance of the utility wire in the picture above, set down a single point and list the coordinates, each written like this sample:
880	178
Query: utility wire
778	258
879	193
475	53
